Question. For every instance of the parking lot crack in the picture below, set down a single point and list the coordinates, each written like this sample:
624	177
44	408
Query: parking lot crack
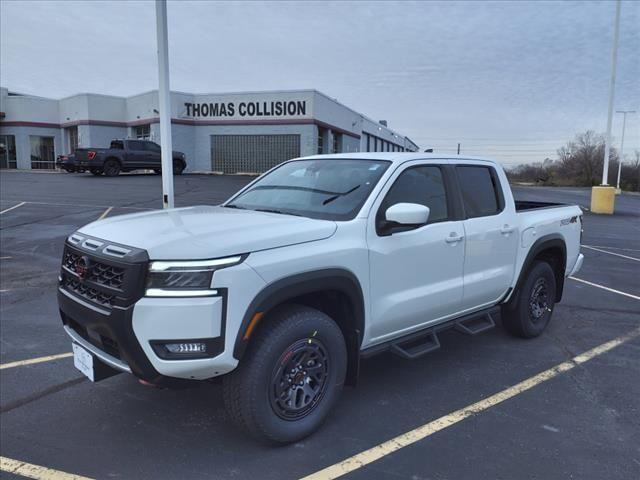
41	394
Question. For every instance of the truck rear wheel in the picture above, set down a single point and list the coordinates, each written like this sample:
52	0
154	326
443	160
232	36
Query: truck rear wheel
178	167
111	167
290	377
529	312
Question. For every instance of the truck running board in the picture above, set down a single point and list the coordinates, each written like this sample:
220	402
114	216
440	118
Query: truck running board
417	344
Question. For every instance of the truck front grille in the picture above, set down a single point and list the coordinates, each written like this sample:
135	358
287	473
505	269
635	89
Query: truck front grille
103	274
87	292
106	274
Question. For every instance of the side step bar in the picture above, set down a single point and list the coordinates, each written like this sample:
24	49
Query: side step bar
417	344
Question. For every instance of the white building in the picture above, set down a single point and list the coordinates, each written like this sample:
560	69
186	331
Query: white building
230	132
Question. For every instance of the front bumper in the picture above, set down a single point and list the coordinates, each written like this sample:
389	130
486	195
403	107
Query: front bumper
123	337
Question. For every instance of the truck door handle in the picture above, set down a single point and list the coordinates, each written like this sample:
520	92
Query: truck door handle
507	229
454	238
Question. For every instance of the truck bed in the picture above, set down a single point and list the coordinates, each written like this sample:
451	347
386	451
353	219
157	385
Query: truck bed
522	205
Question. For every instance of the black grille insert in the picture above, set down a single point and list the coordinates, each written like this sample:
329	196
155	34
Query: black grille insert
88	292
100	273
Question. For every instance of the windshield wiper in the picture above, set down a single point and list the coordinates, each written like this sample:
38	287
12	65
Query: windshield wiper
293	187
235	206
275	210
338	195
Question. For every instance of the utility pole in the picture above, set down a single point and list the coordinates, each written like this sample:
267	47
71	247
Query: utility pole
612	91
624	124
164	104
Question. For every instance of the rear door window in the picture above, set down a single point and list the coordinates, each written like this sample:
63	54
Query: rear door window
481	192
152	147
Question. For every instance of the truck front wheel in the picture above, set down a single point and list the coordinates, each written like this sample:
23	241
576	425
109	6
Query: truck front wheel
290	377
529	312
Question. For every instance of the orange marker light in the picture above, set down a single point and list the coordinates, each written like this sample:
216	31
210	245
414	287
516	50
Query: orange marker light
252	324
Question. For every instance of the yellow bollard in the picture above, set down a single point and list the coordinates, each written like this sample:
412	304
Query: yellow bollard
603	199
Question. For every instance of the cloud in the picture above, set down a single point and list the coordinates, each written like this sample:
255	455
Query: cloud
513	80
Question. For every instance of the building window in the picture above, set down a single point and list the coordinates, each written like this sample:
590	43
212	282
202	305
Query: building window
368	137
337	142
320	140
8	151
142	132
72	133
42	152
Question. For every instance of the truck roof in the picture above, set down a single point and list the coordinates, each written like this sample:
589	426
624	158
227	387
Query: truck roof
397	157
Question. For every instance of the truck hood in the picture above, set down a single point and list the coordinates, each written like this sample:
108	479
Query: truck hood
207	232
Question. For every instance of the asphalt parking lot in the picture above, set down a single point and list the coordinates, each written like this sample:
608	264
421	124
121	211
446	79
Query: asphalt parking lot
580	422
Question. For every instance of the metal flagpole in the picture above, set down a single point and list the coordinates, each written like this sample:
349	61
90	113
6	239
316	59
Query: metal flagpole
165	104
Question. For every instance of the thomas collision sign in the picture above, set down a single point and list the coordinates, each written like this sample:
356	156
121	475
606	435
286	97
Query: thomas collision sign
275	108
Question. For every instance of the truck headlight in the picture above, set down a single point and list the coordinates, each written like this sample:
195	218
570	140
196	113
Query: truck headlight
185	278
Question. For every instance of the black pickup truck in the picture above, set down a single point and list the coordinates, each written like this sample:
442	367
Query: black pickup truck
125	156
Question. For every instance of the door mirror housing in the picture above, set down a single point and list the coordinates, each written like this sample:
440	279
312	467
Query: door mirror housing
411	215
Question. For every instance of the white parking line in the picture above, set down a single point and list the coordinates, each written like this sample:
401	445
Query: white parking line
105	213
37	472
11	208
611	253
614	248
404	440
605	288
31	361
79	205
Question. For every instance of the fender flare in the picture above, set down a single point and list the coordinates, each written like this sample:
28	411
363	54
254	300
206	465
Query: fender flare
293	286
553	240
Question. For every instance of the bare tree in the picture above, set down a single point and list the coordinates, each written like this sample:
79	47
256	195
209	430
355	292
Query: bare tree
581	159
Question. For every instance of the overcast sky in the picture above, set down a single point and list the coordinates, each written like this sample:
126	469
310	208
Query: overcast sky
509	80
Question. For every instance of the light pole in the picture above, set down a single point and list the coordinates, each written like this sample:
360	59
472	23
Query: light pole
603	197
612	91
164	104
624	124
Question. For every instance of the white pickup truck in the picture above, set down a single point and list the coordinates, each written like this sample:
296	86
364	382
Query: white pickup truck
318	263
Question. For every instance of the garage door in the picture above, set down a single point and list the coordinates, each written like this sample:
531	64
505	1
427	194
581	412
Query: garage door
251	153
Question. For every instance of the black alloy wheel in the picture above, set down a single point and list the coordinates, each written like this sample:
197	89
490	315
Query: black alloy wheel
529	310
111	168
299	379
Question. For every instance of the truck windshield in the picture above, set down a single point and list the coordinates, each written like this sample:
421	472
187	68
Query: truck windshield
325	189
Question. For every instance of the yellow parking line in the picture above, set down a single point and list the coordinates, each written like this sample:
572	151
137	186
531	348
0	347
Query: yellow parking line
37	472
11	208
625	294
105	213
31	361
379	451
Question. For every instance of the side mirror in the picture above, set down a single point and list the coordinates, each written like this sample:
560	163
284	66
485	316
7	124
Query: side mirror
407	214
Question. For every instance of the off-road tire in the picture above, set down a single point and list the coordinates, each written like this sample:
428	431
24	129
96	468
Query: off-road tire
111	167
527	314
250	390
178	167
